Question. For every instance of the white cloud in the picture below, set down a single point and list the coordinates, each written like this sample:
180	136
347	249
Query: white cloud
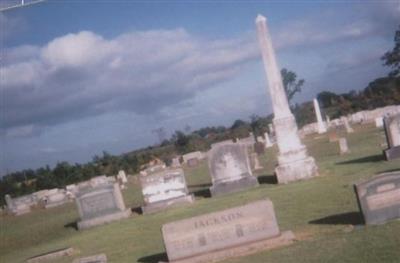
83	74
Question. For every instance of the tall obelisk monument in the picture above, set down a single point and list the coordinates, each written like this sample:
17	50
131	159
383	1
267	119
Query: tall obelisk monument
320	122
294	163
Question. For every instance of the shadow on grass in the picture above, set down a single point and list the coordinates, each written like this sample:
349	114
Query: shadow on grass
205	193
390	171
154	258
73	225
137	210
351	218
267	179
368	159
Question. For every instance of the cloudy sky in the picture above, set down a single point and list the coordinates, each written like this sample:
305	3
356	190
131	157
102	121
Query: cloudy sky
80	77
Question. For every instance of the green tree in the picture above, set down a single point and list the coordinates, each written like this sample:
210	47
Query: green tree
392	58
290	83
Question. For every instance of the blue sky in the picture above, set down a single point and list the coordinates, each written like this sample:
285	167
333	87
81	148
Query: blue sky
80	77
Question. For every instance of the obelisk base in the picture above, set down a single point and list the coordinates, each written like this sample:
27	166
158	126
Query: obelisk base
297	170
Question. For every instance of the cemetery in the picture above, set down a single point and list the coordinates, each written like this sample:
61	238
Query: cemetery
327	192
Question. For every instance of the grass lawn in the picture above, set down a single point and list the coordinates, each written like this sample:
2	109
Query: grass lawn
322	212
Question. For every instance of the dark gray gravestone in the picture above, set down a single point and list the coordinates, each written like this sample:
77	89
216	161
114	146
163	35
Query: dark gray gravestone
379	198
230	170
392	132
229	233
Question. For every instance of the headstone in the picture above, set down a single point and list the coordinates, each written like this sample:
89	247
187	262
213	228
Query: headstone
271	128
100	201
321	124
16	206
55	198
230	170
379	122
328	121
101	258
192	155
379	198
175	162
392	132
347	125
268	142
122	177
343	146
164	189
294	163
256	162
220	235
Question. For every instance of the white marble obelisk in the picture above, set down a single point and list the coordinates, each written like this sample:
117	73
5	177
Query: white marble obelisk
321	124
294	163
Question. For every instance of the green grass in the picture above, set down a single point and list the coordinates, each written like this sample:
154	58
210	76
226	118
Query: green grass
321	212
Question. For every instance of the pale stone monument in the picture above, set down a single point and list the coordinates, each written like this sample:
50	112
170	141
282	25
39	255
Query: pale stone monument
256	162
176	162
379	198
230	169
268	142
294	163
163	189
100	201
221	235
346	124
392	132
379	122
321	124
55	197
343	146
16	206
121	176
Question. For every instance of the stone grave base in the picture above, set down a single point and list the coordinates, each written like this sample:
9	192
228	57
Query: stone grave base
284	239
297	170
54	204
88	223
162	205
51	256
18	212
233	186
392	153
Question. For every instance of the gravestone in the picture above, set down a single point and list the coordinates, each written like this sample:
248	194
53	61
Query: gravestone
52	256
255	162
268	142
230	169
379	122
220	235
321	124
175	162
379	198
163	189
392	132
343	146
347	125
193	162
101	258
16	206
294	162
55	197
100	201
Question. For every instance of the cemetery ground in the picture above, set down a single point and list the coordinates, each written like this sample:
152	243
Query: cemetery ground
322	212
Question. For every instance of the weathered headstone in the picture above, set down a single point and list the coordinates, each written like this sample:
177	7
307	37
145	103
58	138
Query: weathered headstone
268	142
163	189
193	162
294	163
122	177
55	197
230	170
392	132
255	162
17	206
343	146
321	124
346	125
101	258
175	162
100	201
220	235
333	136
379	122
379	198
